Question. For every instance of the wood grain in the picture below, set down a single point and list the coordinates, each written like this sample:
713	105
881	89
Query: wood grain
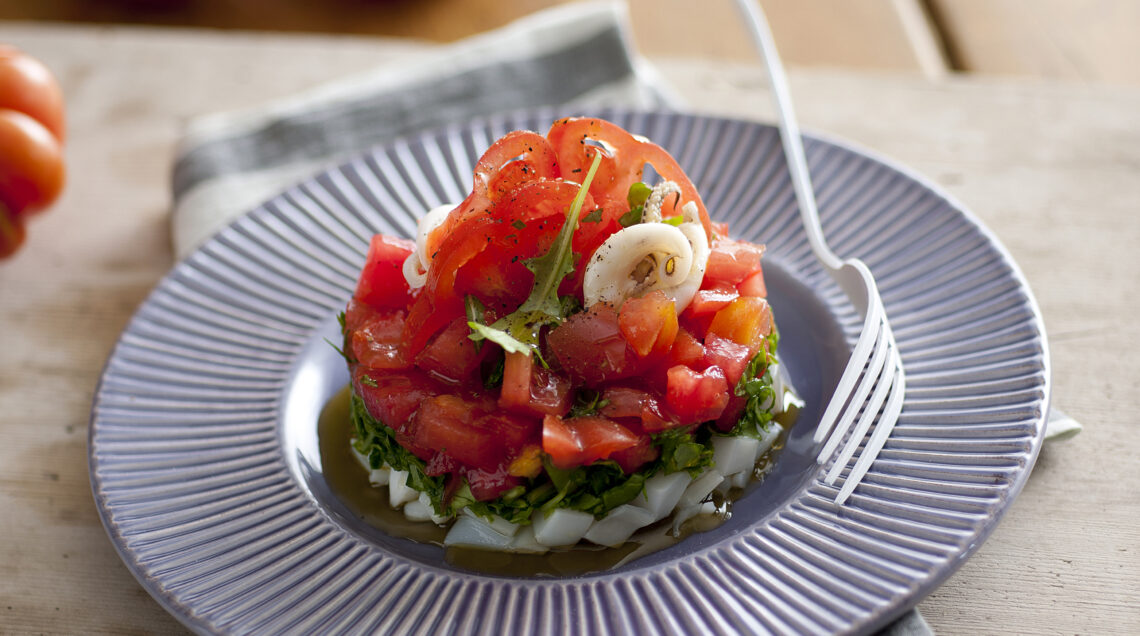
1050	168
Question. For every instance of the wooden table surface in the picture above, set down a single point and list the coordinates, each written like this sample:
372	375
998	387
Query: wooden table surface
1052	169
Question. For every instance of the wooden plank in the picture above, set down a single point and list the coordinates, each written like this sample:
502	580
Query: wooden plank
1088	40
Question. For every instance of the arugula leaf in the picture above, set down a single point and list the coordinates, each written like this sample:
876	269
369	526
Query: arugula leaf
518	331
587	402
593	217
756	384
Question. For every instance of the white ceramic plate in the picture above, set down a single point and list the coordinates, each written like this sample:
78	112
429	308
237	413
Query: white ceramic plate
203	443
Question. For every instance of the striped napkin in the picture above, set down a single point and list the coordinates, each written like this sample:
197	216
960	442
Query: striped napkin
578	54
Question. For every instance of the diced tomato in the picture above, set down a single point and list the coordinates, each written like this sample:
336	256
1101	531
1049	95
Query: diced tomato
376	337
451	355
732	261
746	320
427	318
382	283
697	397
632	458
441	464
621	401
656	416
686	350
490	483
511	431
730	356
393	397
754	285
732	413
531	389
649	323
712	300
445	424
590	347
583	440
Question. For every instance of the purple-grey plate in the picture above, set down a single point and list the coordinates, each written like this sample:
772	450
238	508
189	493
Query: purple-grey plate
203	441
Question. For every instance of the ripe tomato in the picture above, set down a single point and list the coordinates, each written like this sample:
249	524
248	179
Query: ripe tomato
732	261
632	458
583	440
590	347
649	323
623	160
531	389
11	232
451	355
382	283
31	163
697	397
746	320
730	356
27	86
374	337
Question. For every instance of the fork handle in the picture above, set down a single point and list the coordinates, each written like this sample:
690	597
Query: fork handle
789	130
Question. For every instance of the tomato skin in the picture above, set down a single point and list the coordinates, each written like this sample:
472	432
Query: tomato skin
490	483
746	320
623	161
382	283
393	397
697	397
27	86
31	163
445	423
649	323
590	347
732	261
687	350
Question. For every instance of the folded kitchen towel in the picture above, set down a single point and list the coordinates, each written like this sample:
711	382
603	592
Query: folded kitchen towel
578	54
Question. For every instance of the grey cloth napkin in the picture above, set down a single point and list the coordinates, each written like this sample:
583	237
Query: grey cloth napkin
577	55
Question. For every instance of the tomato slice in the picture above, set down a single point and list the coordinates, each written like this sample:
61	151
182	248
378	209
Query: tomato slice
516	158
578	139
382	283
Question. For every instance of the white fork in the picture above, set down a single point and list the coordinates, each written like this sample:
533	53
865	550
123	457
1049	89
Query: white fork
874	379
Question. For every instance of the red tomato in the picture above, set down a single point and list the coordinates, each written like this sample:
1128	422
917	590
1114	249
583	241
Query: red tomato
425	319
487	484
622	401
712	300
632	458
746	320
686	349
623	161
375	338
730	356
31	163
449	424
732	413
451	355
382	283
697	397
732	261
649	323
517	158
754	285
583	440
392	397
511	431
27	86
590	347
531	389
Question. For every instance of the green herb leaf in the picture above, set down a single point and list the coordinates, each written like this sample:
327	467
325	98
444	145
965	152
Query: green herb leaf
517	224
638	194
593	217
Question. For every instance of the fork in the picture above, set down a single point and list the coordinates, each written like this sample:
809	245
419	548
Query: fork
873	384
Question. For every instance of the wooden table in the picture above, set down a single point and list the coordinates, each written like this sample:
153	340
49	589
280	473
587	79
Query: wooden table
1052	169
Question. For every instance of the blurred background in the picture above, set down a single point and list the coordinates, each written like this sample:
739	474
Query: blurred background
1095	41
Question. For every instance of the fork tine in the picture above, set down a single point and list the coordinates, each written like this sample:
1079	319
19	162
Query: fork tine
882	430
858	360
862	390
881	379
